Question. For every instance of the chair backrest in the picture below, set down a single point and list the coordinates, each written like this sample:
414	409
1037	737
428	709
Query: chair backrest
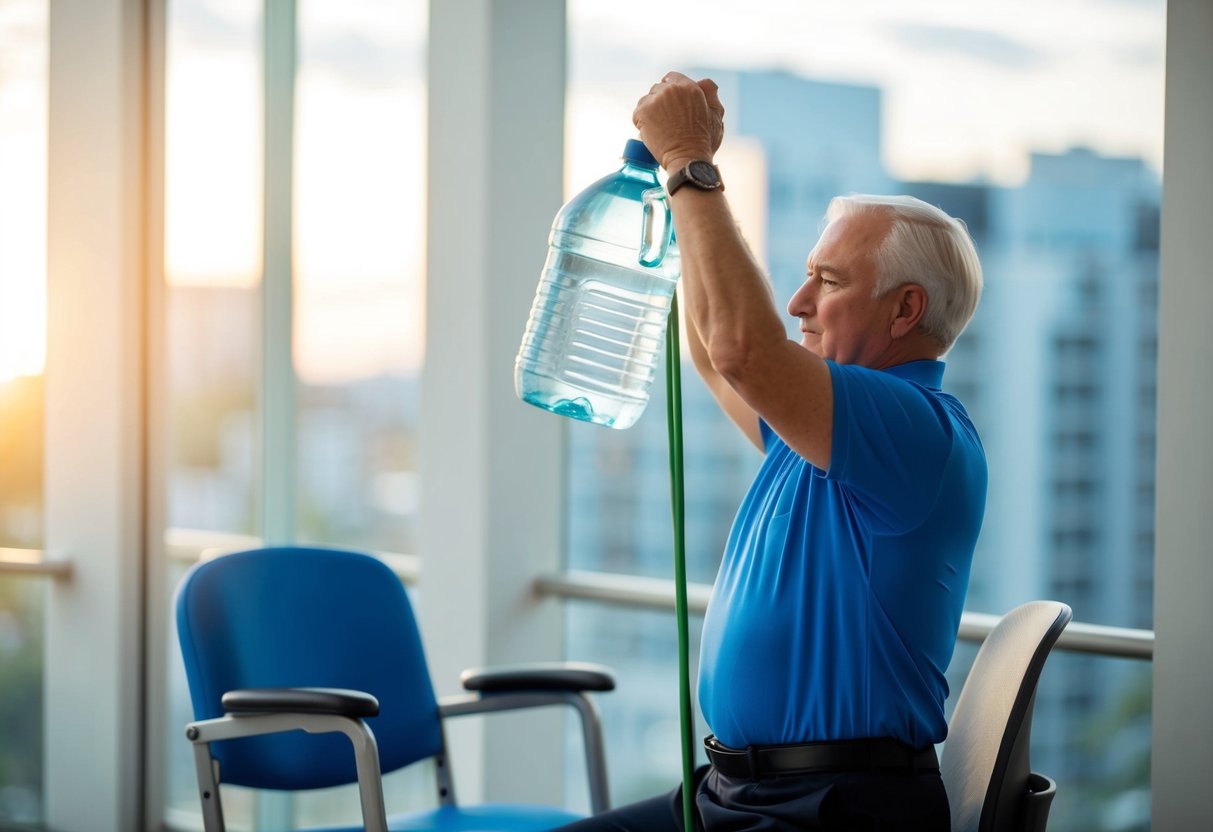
306	617
985	763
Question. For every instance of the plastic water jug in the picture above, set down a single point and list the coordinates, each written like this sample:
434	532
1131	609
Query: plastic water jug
598	323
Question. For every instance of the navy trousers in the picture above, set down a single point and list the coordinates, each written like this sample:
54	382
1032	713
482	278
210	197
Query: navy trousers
850	801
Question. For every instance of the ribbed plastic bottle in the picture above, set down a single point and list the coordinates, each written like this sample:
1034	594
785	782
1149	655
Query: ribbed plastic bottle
596	328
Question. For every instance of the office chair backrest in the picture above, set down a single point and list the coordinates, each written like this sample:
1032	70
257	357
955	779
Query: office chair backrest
985	759
306	617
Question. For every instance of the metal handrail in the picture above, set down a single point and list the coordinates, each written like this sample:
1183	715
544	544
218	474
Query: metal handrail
33	562
189	545
658	594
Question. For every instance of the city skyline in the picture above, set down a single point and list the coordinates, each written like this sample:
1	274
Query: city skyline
359	274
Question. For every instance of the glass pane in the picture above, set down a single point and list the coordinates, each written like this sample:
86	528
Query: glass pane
642	743
359	302
23	107
358	253
213	260
1016	125
23	85
359	266
213	164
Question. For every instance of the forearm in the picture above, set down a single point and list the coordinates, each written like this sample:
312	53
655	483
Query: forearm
728	299
756	371
730	402
699	353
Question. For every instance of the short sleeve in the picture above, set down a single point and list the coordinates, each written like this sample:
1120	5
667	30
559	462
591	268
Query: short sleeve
890	448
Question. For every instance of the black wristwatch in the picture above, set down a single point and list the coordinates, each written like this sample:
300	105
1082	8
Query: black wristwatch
698	174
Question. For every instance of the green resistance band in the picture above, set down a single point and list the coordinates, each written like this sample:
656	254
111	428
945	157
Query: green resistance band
673	386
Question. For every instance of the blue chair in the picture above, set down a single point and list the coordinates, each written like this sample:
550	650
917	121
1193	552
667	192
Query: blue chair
306	670
985	767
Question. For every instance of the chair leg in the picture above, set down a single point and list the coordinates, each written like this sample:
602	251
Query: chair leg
370	778
595	752
446	783
208	786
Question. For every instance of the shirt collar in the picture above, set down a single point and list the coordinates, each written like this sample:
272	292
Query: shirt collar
927	372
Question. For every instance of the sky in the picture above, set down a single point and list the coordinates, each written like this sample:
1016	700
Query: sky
22	189
970	88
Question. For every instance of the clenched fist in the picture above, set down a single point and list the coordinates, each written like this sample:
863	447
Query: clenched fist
680	120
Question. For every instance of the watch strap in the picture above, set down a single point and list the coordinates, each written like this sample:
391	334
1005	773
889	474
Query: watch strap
683	176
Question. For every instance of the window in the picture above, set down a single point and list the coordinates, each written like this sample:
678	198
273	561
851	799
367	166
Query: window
360	255
212	262
339	380
213	172
1060	194
23	103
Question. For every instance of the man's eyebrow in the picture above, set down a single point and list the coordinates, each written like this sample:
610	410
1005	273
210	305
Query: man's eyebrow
827	268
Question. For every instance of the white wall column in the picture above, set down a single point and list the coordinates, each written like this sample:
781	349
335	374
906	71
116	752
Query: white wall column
95	389
491	467
1183	652
277	393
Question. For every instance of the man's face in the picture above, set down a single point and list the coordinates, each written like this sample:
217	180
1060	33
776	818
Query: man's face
839	317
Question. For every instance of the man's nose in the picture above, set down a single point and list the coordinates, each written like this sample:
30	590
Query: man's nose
802	302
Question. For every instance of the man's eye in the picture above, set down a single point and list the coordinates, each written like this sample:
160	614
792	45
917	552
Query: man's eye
825	281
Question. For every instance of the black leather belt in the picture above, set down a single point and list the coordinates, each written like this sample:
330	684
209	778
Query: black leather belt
809	758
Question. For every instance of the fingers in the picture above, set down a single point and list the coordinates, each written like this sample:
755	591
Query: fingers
712	93
681	113
671	78
706	85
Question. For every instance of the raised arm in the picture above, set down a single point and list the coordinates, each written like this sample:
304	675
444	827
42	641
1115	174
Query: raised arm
730	402
728	300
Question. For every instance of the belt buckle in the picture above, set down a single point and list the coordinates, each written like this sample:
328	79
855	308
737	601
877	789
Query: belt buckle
732	756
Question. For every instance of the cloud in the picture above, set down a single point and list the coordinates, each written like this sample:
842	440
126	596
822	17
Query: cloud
981	45
23	32
348	47
1141	55
364	60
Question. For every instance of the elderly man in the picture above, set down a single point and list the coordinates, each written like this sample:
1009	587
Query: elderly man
835	612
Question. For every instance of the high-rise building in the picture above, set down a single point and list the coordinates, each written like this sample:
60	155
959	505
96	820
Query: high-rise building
1065	404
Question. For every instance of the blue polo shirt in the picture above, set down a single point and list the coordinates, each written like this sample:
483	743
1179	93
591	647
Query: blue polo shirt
835	611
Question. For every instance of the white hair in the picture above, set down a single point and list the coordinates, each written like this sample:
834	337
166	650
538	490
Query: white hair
926	246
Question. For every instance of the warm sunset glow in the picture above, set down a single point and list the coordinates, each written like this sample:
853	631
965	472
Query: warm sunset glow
22	260
359	161
23	195
22	327
212	233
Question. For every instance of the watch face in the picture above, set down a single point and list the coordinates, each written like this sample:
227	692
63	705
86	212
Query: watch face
703	174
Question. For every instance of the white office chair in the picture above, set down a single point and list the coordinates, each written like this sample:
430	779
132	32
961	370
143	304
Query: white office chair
985	768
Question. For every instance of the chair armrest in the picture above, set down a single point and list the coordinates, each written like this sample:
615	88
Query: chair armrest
246	723
511	689
334	701
1035	812
543	676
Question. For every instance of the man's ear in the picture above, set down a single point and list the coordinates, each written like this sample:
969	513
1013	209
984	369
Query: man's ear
911	306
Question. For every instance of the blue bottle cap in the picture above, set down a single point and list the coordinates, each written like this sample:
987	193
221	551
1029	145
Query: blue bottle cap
636	153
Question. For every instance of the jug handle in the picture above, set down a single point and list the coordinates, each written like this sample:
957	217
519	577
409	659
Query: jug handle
655	241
